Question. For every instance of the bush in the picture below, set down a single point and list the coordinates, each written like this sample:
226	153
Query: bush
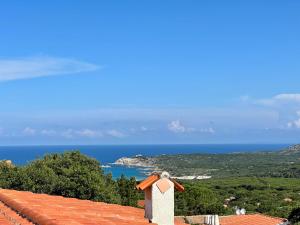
197	200
70	174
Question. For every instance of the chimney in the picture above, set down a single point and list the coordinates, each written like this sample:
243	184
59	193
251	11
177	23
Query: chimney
159	197
212	220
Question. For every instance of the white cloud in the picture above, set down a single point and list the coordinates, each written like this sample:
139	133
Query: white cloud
285	105
48	132
280	99
32	67
294	124
89	133
176	126
116	133
288	97
28	131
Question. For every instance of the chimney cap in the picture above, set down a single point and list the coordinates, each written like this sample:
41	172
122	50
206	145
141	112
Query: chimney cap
165	174
155	177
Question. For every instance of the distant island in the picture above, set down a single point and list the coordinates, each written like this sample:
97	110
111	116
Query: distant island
284	163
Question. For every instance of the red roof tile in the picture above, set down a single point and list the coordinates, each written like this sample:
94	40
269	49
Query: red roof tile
251	219
9	217
141	203
44	209
147	182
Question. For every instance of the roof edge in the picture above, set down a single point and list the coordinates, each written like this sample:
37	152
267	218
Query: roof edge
28	213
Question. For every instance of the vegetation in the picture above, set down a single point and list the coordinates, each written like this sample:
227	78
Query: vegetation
285	163
70	174
126	189
197	200
272	196
269	187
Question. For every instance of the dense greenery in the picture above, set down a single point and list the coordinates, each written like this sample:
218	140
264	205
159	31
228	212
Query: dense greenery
272	196
126	189
70	174
197	200
284	163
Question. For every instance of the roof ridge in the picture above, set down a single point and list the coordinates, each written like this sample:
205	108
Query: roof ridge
29	214
253	214
12	216
274	217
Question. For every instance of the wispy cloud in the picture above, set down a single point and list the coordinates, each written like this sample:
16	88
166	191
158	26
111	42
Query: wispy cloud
177	127
287	106
295	123
72	133
280	99
89	133
28	131
47	132
116	133
32	67
86	133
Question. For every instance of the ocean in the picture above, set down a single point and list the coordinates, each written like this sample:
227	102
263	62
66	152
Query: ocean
20	155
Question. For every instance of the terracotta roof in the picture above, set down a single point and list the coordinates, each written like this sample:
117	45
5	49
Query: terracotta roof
19	207
251	219
148	182
141	203
152	179
177	186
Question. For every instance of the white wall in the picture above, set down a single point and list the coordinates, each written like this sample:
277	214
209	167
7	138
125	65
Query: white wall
163	205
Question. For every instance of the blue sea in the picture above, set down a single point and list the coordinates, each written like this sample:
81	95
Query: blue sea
106	154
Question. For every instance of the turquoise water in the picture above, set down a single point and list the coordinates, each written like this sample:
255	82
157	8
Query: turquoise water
106	154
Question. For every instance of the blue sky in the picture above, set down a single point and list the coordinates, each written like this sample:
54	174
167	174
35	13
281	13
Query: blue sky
120	72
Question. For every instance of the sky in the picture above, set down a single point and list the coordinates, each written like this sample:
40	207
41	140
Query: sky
149	72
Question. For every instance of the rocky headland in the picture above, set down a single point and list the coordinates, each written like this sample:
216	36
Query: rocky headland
136	161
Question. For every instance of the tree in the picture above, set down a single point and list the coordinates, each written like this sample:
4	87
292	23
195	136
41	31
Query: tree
197	200
70	174
126	189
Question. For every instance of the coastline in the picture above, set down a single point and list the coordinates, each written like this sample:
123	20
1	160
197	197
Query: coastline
148	165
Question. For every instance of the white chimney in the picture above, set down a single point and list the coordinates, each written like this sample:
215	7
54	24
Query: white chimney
159	198
212	220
